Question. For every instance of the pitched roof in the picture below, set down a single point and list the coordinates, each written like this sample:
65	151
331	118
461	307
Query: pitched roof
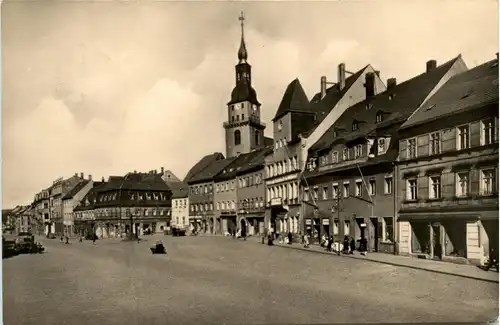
90	197
203	163
467	90
179	189
77	188
395	104
294	100
257	162
243	161
333	95
208	173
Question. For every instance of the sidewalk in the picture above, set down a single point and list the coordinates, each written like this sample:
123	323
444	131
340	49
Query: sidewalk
459	270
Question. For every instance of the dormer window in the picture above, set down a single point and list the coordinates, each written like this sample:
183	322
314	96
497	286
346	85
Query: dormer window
355	126
345	154
379	117
381	146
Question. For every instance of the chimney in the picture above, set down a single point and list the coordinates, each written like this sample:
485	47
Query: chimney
156	171
497	56
90	177
377	72
323	87
76	174
341	76
102	180
431	64
370	84
391	83
162	170
82	176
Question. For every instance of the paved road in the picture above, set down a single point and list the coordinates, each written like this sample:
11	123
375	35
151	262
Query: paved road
226	281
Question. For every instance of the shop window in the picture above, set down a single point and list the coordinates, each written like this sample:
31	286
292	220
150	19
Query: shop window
420	238
456	238
388	233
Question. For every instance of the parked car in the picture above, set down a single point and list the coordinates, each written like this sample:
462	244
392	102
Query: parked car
9	248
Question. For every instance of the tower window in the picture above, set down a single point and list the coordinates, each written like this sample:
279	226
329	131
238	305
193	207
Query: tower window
237	137
257	138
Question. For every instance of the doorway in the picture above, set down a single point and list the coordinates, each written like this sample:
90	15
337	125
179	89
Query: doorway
375	233
436	241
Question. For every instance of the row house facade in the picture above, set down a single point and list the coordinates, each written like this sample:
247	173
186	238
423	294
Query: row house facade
136	202
298	124
42	212
202	213
70	200
449	171
180	204
350	174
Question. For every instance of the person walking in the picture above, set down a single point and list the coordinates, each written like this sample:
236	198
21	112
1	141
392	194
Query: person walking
306	241
330	243
345	249
289	238
353	245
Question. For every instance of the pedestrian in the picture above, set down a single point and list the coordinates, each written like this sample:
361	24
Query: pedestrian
353	246
67	239
306	241
62	238
94	236
323	241
363	246
330	243
346	245
289	238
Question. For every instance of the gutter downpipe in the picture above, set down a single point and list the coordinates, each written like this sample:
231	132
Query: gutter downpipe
395	199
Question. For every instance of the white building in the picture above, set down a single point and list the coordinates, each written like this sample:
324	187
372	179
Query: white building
70	200
180	205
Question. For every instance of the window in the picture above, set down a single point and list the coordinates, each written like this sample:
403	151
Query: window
347	228
346	189
306	195
357	151
237	137
462	183
335	227
315	193
487	181
359	188
335	190
381	146
388	185
242	117
411	148
335	157
372	186
237	117
463	137
354	126
257	138
411	191
434	143
379	117
325	192
435	187
388	234
345	154
487	132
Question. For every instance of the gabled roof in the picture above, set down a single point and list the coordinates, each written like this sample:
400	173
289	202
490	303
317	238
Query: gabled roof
257	162
294	100
395	104
468	90
243	161
179	189
203	163
208	173
322	107
77	188
90	197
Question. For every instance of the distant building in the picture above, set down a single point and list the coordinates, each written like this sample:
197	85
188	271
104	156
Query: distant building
142	200
70	200
180	204
448	171
350	182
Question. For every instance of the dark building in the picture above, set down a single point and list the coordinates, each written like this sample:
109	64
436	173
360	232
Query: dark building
349	183
448	167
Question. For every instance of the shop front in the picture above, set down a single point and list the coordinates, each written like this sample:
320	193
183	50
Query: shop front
229	225
452	237
252	223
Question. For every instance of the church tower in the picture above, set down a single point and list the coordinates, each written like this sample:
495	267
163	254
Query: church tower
244	130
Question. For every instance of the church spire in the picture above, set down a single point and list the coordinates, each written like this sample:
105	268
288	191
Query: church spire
242	52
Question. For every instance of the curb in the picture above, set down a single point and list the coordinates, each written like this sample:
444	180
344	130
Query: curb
391	263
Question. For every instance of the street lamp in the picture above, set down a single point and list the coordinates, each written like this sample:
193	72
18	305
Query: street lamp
338	207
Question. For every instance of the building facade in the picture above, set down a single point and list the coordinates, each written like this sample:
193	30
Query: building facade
180	205
449	171
70	200
349	183
297	125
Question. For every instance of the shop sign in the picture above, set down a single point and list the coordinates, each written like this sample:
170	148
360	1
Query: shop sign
326	222
308	221
363	225
276	201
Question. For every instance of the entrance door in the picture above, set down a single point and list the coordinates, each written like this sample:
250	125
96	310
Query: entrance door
436	241
374	233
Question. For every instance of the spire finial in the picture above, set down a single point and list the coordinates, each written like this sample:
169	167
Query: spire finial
242	53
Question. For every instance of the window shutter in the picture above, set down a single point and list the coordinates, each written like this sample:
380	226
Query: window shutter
474	181
448	187
448	140
423	146
402	150
423	187
475	134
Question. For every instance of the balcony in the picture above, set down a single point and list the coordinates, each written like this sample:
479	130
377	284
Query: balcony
251	119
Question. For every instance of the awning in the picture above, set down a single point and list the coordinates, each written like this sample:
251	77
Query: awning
437	216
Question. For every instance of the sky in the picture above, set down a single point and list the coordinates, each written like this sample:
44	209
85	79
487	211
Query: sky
105	87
